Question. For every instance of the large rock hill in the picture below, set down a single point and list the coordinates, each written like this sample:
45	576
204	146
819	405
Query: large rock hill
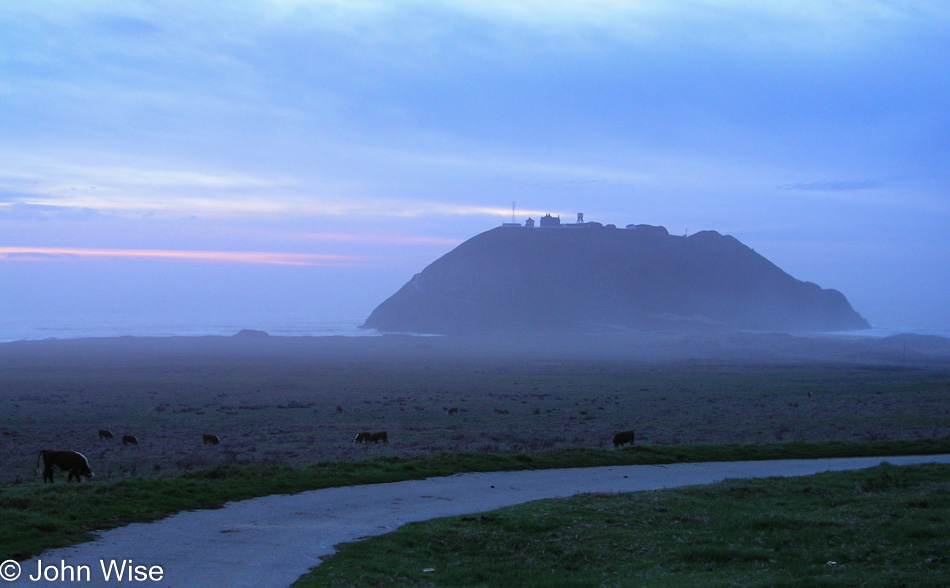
569	279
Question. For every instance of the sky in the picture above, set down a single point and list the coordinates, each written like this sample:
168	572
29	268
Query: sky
299	160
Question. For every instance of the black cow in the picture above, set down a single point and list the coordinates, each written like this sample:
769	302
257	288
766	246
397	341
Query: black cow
623	437
209	438
453	411
363	438
129	440
103	434
380	436
69	461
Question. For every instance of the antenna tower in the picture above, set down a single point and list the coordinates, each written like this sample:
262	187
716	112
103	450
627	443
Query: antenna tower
512	211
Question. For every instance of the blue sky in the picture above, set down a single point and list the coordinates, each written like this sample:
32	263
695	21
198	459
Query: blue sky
303	158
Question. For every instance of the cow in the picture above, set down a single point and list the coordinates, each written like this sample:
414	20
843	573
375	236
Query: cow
623	437
129	440
363	438
209	438
103	434
68	461
453	411
380	436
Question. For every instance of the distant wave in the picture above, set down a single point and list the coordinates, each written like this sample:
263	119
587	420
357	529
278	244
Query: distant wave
21	330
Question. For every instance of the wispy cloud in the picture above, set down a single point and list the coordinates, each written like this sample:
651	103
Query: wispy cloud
836	186
803	24
41	184
46	182
608	11
240	257
383	22
69	173
295	205
420	209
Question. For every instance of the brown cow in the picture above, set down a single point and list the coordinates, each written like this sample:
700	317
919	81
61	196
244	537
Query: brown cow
209	438
129	440
68	461
623	437
363	438
380	436
103	434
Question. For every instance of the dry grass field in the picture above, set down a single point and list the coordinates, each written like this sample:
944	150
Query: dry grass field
302	400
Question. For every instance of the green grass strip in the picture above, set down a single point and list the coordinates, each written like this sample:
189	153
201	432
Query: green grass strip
885	526
35	517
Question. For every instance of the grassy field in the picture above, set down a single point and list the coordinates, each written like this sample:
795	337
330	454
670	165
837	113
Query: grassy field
887	526
302	402
36	517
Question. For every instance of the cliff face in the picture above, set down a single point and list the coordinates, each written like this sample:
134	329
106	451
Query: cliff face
566	279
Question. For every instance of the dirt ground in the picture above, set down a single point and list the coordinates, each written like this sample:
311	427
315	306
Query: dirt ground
273	399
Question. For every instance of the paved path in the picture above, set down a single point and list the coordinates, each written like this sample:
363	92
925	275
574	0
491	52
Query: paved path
272	541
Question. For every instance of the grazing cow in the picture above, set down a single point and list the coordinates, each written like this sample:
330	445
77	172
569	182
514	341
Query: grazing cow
623	437
209	438
363	438
453	411
129	440
68	461
380	436
103	434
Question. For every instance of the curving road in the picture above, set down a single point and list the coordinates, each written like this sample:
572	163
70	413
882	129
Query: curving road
272	541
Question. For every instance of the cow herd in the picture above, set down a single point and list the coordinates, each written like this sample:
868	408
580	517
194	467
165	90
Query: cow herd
77	465
126	439
133	440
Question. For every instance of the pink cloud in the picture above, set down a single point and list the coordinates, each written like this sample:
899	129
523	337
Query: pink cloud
243	257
